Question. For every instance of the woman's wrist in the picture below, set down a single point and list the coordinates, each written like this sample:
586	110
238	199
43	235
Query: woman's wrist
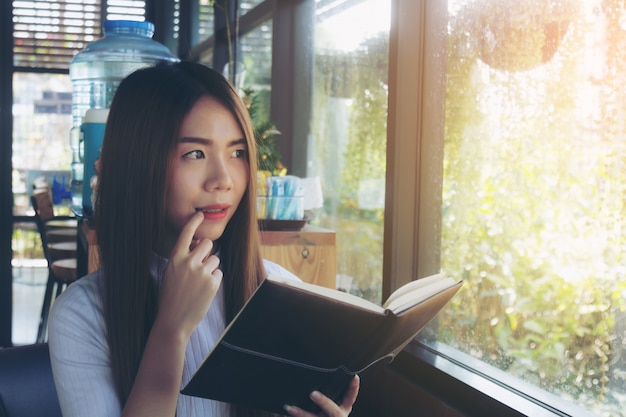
166	332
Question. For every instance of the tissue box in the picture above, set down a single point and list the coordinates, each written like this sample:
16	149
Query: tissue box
280	208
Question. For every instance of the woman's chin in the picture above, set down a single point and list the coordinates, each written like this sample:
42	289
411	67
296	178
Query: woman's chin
209	231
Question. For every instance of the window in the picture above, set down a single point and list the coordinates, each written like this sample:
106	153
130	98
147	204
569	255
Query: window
256	57
124	9
46	36
333	53
254	71
349	135
531	197
203	20
246	6
42	109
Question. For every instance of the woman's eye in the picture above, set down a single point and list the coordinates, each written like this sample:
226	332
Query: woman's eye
194	154
239	153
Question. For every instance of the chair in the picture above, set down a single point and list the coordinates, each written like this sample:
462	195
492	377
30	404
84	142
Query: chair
60	256
26	384
41	201
59	228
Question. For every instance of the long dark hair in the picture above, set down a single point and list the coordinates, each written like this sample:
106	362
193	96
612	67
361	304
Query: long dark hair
143	124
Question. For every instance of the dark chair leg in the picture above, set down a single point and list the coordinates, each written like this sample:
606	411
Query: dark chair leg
45	309
60	287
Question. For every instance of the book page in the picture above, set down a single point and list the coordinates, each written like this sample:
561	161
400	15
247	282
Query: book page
413	286
330	293
417	291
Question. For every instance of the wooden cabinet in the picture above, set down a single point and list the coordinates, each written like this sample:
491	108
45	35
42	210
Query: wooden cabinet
309	253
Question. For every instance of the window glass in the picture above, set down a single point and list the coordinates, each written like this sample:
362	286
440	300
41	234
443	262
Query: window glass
254	70
42	108
349	135
206	57
124	10
247	5
48	34
533	215
256	57
203	21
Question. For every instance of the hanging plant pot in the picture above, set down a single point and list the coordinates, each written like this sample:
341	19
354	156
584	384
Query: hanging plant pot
518	35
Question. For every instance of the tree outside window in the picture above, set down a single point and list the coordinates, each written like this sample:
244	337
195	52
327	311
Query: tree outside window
533	216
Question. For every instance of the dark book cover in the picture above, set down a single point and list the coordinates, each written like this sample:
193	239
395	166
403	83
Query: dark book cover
292	338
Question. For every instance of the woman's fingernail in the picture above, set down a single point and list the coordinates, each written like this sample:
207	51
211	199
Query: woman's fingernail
316	395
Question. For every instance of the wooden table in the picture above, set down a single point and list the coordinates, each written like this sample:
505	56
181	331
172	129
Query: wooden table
310	253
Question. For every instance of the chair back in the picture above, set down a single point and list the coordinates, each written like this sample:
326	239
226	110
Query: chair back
26	383
59	274
42	203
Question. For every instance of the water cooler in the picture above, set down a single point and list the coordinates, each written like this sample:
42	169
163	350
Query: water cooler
96	72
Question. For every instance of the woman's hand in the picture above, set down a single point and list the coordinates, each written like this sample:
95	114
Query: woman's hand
190	282
329	408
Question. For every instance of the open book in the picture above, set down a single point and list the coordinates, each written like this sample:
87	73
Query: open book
292	338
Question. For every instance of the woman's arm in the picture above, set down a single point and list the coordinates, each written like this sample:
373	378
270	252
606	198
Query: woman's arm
190	283
79	352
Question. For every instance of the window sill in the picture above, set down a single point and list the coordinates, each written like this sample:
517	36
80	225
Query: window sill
475	388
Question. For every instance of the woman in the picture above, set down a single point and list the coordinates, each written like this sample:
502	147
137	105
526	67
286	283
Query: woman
179	250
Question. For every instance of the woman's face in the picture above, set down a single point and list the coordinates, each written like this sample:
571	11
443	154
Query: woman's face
210	172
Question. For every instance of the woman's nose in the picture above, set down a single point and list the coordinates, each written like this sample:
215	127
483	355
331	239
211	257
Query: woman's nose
218	177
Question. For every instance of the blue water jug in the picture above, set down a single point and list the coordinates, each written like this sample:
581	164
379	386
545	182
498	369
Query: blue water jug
92	130
96	72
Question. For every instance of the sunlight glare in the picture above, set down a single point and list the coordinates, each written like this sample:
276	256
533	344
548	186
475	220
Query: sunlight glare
346	30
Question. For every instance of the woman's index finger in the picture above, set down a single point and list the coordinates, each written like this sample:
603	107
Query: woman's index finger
186	234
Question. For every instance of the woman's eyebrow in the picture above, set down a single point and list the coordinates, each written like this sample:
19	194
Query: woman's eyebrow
241	141
203	141
189	139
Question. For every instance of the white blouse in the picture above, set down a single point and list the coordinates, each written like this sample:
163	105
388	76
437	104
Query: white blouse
79	351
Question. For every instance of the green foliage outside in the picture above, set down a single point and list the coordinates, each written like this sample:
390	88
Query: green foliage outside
533	218
265	132
356	83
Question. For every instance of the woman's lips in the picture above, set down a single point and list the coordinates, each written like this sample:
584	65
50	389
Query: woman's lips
216	212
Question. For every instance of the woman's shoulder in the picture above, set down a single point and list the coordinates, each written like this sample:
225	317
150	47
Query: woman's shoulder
272	268
89	288
80	304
